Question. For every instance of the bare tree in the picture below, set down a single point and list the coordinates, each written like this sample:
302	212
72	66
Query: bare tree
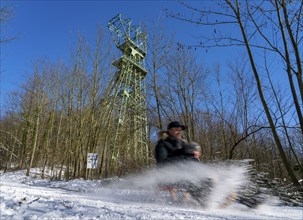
253	18
159	47
38	99
5	16
245	115
185	84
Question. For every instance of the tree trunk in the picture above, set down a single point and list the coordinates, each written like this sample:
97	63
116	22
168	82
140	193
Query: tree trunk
269	118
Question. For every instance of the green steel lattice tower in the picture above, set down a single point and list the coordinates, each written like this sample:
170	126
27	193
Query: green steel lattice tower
129	147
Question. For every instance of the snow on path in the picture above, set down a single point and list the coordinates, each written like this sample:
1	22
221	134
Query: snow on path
28	198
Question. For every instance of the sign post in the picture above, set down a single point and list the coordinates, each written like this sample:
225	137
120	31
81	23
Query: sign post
92	161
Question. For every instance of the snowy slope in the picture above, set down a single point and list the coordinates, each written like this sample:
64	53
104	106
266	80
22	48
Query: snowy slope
32	198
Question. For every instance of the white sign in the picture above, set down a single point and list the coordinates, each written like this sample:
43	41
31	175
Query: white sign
92	160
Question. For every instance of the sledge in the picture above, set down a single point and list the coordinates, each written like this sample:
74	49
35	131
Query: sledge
191	194
191	188
250	201
187	193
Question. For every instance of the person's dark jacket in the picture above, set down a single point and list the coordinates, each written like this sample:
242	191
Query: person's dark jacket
170	149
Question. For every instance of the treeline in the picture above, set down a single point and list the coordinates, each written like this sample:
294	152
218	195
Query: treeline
55	119
58	115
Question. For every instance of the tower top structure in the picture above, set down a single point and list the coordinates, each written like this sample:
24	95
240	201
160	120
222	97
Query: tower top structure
125	35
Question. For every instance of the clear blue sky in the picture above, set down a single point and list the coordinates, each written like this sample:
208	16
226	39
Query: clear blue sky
46	29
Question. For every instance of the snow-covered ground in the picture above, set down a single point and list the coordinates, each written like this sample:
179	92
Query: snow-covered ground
33	198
